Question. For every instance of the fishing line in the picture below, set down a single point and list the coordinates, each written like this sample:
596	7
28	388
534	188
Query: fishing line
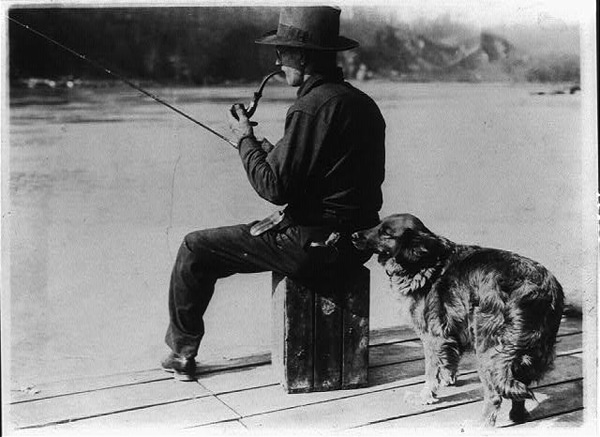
124	80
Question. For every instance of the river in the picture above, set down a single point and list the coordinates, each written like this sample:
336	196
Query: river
104	184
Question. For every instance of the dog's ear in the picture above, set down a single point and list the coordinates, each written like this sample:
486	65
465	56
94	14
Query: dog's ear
419	246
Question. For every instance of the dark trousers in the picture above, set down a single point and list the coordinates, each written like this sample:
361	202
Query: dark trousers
207	255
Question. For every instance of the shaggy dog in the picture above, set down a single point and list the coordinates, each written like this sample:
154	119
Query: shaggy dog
504	306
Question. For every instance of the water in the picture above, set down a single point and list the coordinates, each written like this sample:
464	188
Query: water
105	183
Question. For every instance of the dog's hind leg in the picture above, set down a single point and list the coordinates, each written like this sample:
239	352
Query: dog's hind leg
491	399
518	413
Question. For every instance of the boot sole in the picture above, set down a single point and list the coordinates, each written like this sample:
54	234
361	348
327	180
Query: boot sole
178	376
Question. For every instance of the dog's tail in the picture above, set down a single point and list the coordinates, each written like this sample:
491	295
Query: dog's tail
529	341
513	385
514	369
516	390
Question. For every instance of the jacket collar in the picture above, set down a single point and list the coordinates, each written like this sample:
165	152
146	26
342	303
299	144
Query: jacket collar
318	79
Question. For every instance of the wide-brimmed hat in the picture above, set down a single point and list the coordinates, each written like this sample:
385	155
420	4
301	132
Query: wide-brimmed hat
309	27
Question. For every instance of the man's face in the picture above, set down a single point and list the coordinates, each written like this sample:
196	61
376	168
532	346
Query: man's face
291	61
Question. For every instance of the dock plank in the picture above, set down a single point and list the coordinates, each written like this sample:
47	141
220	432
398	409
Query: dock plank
270	396
373	407
89	404
572	419
244	392
173	416
230	427
407	370
239	380
83	385
555	399
271	399
256	377
357	410
403	362
570	325
466	416
378	356
390	353
392	335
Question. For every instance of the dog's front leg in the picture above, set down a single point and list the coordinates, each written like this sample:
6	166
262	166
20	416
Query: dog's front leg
449	354
429	393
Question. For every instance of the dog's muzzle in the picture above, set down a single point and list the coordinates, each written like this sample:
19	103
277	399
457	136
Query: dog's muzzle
358	241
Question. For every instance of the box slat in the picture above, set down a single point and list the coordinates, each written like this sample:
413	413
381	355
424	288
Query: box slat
328	346
355	362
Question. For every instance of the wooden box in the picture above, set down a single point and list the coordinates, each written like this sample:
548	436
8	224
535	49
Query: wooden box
321	332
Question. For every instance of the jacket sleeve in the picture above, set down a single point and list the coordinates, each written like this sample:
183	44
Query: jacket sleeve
278	175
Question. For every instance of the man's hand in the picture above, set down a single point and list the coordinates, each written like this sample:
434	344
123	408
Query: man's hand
238	122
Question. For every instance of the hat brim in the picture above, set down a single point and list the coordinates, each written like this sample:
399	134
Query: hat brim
271	38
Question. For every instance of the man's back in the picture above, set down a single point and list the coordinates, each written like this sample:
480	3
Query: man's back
334	139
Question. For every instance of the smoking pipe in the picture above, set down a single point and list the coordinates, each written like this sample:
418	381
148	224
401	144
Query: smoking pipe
251	107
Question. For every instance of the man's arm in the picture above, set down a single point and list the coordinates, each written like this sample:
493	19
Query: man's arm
261	175
276	175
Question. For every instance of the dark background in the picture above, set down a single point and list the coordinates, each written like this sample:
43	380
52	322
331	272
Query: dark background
215	45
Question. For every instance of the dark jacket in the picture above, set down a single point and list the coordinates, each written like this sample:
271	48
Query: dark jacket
329	165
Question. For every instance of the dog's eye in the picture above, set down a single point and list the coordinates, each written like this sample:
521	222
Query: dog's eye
384	234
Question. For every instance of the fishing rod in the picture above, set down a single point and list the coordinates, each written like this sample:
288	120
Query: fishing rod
250	109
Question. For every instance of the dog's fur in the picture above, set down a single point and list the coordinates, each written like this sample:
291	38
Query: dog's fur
504	306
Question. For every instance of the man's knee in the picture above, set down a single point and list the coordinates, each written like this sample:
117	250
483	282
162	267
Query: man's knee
195	242
207	251
207	241
191	250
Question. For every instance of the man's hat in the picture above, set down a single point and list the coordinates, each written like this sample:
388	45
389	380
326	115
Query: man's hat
310	27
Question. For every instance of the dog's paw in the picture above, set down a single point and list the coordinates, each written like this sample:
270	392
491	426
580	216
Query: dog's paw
427	397
519	415
429	400
424	397
447	379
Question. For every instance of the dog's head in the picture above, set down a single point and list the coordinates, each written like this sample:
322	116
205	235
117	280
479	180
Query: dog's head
403	238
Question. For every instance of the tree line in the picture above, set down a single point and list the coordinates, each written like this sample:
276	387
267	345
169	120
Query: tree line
215	45
188	45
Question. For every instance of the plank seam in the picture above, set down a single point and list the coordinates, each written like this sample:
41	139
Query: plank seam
568	334
250	365
238	415
395	363
537	419
417	381
129	384
390	342
460	403
418	413
93	416
406	340
165	378
402	384
217	421
261	361
239	390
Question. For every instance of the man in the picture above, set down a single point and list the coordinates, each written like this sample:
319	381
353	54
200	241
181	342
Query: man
328	169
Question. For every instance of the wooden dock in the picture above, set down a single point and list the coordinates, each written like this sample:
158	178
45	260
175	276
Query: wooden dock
243	396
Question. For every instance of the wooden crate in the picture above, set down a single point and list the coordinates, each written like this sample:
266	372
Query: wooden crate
321	332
